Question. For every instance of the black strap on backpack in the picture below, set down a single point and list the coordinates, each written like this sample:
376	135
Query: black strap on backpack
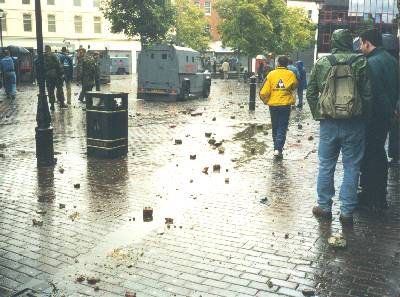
332	59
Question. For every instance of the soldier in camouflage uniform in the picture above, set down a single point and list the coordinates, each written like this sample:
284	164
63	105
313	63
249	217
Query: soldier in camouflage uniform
54	77
88	73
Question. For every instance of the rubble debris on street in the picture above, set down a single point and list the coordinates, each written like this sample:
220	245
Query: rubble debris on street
337	241
147	214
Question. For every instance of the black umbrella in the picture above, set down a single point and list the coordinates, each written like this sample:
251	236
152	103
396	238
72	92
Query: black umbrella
17	50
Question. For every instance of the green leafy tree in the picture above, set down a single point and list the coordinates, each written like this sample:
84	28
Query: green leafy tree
150	19
298	32
191	26
243	26
257	26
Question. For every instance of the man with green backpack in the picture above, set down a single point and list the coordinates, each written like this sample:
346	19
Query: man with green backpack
339	95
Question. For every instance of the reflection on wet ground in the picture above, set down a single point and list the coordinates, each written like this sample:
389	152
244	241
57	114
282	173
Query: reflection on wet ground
219	240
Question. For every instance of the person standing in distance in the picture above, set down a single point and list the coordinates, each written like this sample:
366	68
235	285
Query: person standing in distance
10	79
67	63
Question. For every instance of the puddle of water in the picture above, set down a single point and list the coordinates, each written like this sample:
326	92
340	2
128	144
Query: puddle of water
251	145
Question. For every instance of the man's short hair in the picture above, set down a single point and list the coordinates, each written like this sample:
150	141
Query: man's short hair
373	36
63	49
47	48
283	61
6	52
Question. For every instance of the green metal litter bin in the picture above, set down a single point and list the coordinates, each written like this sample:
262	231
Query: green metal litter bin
107	124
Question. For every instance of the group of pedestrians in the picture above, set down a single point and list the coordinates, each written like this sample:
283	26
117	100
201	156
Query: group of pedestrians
354	97
58	68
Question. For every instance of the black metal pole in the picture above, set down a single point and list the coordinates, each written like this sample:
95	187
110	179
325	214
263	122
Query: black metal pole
252	100
44	131
1	34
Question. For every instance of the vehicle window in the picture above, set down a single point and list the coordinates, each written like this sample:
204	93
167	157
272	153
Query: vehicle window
187	58
193	59
152	56
164	56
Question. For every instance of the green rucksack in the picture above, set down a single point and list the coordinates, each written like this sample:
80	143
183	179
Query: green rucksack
340	98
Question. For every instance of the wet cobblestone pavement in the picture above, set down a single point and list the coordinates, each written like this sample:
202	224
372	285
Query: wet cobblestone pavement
222	241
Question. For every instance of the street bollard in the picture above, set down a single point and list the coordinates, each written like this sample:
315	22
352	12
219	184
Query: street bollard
253	86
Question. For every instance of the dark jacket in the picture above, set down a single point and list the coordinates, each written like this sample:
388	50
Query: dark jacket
384	76
303	75
52	68
342	46
88	71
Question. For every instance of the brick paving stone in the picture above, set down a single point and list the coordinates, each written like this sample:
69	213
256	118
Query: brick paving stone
223	241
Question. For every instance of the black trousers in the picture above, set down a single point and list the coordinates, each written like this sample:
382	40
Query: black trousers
374	166
84	90
53	85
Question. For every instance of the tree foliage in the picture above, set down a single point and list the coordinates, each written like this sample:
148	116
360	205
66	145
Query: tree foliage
191	26
256	26
243	26
150	19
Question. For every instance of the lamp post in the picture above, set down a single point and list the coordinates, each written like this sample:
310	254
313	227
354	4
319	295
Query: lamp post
44	130
2	15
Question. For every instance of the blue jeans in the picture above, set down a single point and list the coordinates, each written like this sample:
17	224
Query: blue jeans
280	121
348	137
10	83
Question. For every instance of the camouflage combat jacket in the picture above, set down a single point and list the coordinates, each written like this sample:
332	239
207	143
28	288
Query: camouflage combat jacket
87	71
53	69
342	49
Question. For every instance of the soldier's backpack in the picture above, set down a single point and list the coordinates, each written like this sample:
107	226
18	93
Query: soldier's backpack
340	98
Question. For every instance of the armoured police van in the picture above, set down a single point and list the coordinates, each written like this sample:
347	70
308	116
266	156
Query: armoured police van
170	73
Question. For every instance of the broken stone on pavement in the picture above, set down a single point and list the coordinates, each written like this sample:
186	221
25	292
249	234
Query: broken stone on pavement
147	214
337	241
37	223
216	168
308	292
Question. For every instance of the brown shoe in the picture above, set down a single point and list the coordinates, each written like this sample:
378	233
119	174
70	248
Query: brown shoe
346	220
320	213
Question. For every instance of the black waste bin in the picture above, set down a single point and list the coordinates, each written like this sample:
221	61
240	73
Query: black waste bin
107	124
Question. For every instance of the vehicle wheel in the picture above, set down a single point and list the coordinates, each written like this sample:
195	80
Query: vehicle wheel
206	91
185	91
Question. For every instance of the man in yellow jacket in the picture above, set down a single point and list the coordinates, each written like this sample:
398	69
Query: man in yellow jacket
278	93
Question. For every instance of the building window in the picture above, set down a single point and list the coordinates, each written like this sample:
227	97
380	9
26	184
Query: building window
78	24
27	19
97	24
77	3
207	7
50	2
3	24
2	1
26	1
96	3
310	14
51	23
